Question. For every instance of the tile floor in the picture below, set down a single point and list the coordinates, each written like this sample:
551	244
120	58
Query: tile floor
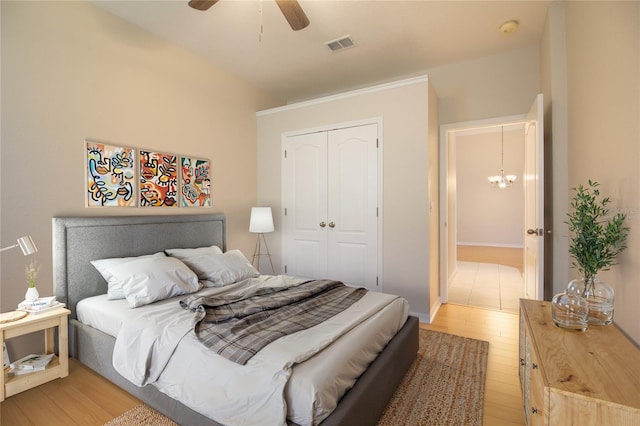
486	285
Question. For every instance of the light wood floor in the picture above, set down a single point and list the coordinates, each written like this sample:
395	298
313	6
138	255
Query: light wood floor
86	399
83	399
499	255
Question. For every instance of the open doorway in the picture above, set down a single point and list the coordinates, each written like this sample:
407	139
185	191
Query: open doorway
482	236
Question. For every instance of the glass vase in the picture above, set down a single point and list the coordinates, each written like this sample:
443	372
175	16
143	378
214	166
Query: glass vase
599	296
570	311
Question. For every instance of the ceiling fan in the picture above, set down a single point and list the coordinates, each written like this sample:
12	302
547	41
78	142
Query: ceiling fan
291	10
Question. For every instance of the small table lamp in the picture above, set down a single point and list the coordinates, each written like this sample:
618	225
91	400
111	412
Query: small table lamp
26	244
261	223
28	247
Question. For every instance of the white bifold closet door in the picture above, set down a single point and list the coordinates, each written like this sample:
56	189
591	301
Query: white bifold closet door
330	197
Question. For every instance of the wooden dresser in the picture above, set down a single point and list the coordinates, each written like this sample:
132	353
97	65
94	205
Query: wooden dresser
576	378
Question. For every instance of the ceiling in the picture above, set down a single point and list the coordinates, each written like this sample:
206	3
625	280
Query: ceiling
394	38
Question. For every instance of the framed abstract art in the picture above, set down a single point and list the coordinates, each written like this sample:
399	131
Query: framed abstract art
195	182
158	179
110	175
120	176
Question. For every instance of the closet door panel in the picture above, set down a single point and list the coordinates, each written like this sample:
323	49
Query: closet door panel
352	205
330	190
305	192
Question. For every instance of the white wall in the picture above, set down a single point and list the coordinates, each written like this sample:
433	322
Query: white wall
494	86
603	87
72	71
591	78
410	178
487	216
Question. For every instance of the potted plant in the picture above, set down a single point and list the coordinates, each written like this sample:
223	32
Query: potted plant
31	273
597	239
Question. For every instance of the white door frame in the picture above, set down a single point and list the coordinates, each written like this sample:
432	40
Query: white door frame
446	130
324	128
534	240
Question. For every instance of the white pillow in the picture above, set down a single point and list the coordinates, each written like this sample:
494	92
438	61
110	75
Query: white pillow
186	253
148	280
103	266
190	258
222	269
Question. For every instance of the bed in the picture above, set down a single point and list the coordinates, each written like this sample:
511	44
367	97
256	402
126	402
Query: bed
79	240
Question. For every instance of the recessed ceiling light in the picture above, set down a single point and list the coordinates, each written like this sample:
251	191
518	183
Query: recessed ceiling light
509	27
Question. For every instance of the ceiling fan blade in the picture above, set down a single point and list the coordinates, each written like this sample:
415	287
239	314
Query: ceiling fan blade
293	13
202	4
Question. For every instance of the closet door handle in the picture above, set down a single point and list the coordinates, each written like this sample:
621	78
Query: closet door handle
322	224
332	225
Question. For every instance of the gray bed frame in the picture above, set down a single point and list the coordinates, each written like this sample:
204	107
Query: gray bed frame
78	240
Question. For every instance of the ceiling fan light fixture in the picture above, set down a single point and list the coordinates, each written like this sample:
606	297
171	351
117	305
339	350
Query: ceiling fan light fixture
294	14
291	10
202	4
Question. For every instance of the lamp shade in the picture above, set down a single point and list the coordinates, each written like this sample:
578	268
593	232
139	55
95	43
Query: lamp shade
27	245
261	220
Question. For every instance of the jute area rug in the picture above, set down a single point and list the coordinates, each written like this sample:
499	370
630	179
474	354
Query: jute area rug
142	415
443	387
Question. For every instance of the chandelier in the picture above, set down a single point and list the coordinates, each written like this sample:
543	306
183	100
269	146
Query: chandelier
502	181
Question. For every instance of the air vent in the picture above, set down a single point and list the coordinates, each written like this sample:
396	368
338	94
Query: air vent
340	44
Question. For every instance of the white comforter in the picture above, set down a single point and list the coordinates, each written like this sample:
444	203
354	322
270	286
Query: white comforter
160	347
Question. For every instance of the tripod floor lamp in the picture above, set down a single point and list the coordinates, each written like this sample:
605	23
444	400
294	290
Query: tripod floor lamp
261	223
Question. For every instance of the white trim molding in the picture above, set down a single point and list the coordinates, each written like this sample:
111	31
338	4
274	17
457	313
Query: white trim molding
349	94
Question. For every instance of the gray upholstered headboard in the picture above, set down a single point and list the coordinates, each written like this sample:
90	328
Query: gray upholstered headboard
78	240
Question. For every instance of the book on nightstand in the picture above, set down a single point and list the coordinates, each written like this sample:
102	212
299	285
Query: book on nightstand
30	364
42	304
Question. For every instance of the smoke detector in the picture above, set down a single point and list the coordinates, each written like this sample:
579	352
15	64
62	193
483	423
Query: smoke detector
509	27
341	43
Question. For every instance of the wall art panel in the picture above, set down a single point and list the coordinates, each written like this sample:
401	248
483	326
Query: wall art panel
158	179
110	174
195	182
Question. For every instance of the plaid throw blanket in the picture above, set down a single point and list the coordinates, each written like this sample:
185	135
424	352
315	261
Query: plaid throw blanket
238	327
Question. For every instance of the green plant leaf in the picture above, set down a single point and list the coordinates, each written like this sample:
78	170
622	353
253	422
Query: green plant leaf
595	242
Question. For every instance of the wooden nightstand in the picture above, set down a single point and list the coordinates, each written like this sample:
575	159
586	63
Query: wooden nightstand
58	367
